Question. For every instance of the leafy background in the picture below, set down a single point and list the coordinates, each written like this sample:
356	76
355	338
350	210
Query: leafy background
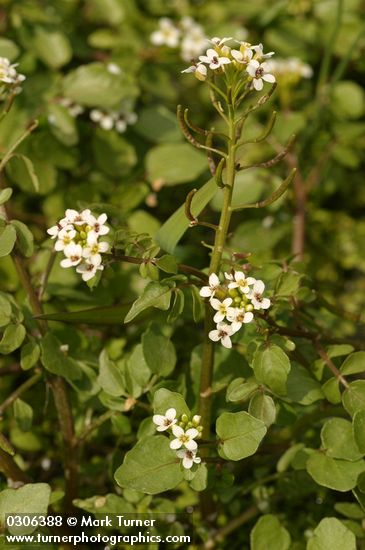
139	179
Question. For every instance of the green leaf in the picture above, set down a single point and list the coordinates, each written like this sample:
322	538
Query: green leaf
331	534
151	467
25	239
358	425
93	85
108	11
331	390
7	240
263	407
165	399
52	47
167	263
8	49
29	355
340	475
138	372
350	510
268	533
5	310
338	440
154	295
23	414
32	498
240	389
113	154
302	387
56	361
174	163
354	363
348	99
271	366
62	124
6	446
174	228
178	305
198	304
5	194
110	377
240	435
159	352
353	397
158	124
106	504
12	338
110	315
22	171
200	479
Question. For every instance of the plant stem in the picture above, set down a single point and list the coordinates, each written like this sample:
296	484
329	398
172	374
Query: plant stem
19	391
215	263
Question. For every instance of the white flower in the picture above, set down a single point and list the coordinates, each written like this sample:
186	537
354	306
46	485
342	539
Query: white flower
239	316
93	250
188	458
167	34
106	122
165	422
221	308
77	218
96	115
88	270
199	70
223	333
113	68
8	72
73	253
220	41
244	54
213	59
64	238
194	42
259	49
256	296
209	291
240	281
184	438
55	230
97	225
259	72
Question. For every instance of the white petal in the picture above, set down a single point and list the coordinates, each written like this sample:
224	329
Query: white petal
258	84
227	302
175	444
177	431
187	462
265	304
197	459
219	317
251	280
268	77
248	317
259	287
224	61
213	280
214	335
170	414
192	432
226	341
191	445
162	428
216	304
236	325
158	419
205	292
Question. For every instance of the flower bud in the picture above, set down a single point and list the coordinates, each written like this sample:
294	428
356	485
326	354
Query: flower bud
196	419
184	418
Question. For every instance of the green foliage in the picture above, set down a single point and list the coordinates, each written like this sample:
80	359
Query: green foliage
240	434
331	533
269	533
151	467
271	366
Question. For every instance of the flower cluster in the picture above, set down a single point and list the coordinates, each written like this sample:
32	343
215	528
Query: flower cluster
234	301
9	77
107	120
77	236
189	35
185	433
73	108
245	57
